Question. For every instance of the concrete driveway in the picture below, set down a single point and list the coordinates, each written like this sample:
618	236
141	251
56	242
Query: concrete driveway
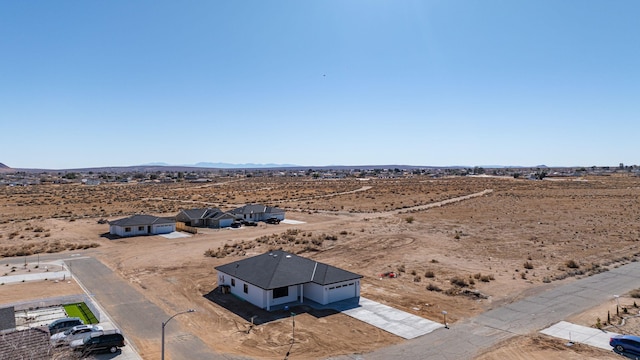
580	334
397	322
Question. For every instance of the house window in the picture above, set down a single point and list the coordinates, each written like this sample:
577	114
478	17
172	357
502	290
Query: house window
127	229
140	228
233	282
246	288
281	292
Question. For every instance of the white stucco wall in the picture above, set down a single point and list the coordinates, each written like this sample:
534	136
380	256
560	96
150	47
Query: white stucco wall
314	292
293	296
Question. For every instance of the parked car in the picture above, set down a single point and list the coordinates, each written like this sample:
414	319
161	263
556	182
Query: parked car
74	333
249	223
236	225
625	343
272	221
109	340
63	324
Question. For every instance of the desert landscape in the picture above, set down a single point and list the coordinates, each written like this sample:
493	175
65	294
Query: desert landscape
460	244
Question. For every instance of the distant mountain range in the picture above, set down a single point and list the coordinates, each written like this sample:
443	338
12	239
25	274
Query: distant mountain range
227	165
162	166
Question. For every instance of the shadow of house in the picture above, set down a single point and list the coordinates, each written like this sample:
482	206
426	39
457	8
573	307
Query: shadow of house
258	316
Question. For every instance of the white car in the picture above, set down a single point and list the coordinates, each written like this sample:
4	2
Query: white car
76	332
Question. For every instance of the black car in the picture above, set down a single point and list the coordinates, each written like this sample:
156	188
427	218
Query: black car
109	340
272	221
249	223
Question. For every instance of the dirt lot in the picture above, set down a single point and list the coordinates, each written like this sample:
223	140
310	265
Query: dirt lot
508	243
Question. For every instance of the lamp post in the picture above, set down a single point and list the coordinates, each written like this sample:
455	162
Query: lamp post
444	315
164	323
617	297
293	334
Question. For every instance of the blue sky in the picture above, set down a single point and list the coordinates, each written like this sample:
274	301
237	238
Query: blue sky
117	83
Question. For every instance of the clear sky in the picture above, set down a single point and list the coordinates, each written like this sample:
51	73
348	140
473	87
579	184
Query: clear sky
343	82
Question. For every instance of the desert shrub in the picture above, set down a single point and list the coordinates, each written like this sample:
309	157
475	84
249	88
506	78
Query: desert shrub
409	219
528	265
413	272
401	268
458	281
486	278
417	278
572	264
635	293
429	274
433	287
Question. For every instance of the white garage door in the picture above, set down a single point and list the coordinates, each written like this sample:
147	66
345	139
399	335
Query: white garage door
341	292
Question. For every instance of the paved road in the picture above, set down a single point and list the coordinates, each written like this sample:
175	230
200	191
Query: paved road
132	313
466	339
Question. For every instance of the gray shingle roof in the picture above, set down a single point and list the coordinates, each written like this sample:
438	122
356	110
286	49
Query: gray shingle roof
208	213
279	268
256	208
136	220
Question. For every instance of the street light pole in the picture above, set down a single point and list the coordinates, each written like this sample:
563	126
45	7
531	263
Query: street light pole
444	315
164	323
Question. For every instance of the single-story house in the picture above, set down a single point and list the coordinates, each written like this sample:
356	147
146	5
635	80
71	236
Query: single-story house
209	217
141	225
278	277
257	212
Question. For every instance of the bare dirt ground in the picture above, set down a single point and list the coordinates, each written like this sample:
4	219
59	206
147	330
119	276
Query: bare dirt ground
464	257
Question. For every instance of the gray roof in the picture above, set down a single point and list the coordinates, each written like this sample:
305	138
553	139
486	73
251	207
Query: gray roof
208	213
136	220
195	213
279	268
256	208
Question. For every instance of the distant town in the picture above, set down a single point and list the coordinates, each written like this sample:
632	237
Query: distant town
172	174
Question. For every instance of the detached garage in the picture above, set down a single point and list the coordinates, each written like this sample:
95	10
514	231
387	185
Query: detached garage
278	277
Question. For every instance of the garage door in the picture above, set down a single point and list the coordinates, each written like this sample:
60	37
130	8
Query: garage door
341	292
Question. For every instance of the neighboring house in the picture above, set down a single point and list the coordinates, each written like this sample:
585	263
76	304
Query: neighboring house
214	218
278	277
141	225
257	212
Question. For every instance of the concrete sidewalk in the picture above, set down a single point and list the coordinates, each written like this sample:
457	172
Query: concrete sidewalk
397	322
580	334
51	275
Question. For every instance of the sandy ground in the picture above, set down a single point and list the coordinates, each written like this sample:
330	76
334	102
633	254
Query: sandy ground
10	293
520	238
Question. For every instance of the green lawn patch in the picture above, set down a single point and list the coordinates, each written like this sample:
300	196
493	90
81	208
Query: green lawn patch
81	310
